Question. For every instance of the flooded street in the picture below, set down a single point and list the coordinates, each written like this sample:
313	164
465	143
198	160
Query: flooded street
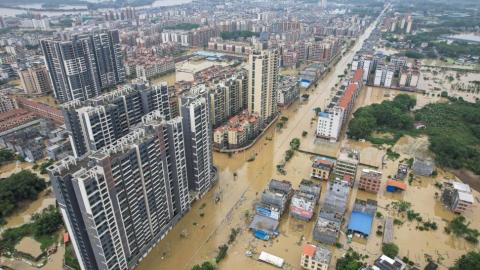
201	236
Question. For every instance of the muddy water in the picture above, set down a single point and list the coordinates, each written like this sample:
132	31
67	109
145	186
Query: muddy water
25	211
201	236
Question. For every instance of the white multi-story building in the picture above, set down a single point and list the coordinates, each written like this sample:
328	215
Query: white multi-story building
329	124
263	84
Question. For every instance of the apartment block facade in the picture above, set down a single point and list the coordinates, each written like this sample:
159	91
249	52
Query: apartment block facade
194	110
100	121
263	84
120	201
84	66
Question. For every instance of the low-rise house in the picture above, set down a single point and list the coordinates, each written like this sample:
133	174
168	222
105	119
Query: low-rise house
362	216
315	257
321	168
288	91
347	163
386	263
331	214
304	200
423	167
370	181
273	203
457	196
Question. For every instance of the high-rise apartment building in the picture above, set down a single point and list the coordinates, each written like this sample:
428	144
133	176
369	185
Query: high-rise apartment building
83	66
194	109
263	84
228	98
35	80
100	121
120	201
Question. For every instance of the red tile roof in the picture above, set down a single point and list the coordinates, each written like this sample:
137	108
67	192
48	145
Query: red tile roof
347	96
397	184
357	76
309	250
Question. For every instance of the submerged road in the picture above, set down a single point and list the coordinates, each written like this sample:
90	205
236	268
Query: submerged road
207	225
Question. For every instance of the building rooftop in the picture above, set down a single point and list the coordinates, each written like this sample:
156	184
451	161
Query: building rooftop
347	95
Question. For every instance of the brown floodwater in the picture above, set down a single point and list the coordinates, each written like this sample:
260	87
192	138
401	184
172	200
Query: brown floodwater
195	238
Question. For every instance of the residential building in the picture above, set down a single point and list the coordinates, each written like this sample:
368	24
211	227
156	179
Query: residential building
7	103
288	91
194	109
100	121
330	217
321	168
457	196
304	200
347	163
84	66
263	84
119	202
329	124
423	167
370	181
386	263
14	118
239	131
315	257
35	80
41	109
147	67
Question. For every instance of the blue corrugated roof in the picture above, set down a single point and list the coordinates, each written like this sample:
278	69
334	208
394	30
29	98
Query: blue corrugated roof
360	222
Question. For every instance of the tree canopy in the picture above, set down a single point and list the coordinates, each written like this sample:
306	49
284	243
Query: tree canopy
469	261
17	188
351	261
390	249
386	116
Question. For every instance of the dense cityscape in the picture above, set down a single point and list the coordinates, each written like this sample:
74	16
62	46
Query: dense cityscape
242	134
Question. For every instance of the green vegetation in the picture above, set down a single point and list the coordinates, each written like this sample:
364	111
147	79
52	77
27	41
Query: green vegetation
453	128
392	155
233	235
469	261
351	261
390	249
45	165
6	156
222	253
70	259
454	131
204	266
295	144
43	228
387	117
183	26
401	206
414	54
17	188
238	34
460	228
304	134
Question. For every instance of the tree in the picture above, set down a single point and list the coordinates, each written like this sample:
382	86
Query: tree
404	102
469	261
351	261
317	110
390	249
6	155
222	253
361	127
16	188
204	266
